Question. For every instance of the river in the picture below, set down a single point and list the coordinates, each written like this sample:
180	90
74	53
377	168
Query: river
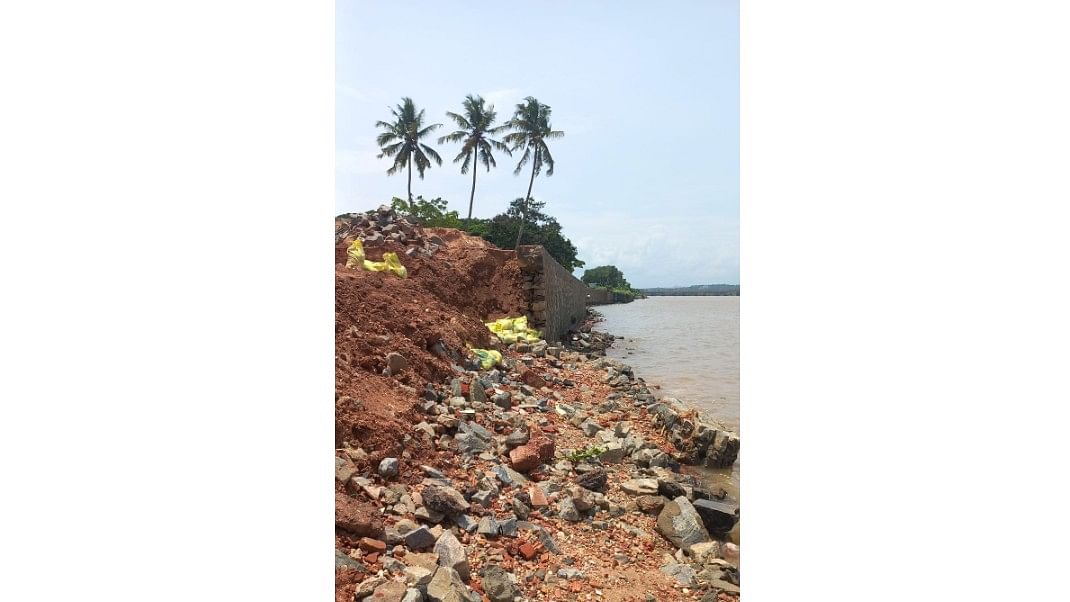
690	347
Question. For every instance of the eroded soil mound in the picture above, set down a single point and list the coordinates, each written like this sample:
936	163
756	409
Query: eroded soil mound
455	283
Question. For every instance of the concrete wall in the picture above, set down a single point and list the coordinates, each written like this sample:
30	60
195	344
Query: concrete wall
557	300
600	296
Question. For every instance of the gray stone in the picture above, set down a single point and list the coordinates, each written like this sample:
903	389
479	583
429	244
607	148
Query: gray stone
418	576
391	591
623	429
517	438
483	498
612	453
569	573
520	508
465	523
451	553
446	586
476	391
566	508
498	586
419	539
681	524
413	595
507	527
502	400
344	468
683	573
640	486
388	468
488	527
345	561
444	500
590	428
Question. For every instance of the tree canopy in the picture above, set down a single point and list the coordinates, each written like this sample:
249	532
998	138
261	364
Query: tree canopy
607	276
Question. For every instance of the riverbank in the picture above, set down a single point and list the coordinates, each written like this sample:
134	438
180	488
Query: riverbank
554	475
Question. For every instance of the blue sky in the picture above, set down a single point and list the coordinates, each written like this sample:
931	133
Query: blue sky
647	175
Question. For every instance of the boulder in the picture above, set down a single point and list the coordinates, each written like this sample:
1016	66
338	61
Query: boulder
650	504
718	516
391	591
681	524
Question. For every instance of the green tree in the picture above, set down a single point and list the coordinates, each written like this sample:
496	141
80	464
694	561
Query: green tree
531	129
607	276
476	129
539	228
401	140
431	213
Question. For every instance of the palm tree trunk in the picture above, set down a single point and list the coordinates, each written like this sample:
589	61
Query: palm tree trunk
411	206
524	211
472	198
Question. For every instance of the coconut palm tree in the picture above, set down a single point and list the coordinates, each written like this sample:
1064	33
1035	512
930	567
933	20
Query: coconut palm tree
531	129
475	134
401	140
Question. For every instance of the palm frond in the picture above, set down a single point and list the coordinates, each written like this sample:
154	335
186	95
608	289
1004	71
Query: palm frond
432	153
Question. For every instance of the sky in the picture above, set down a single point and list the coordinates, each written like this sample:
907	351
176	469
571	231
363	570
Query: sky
647	175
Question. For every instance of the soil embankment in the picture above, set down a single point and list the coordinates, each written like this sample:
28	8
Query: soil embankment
554	475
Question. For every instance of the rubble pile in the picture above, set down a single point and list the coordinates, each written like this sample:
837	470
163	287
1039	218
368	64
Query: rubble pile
556	477
375	228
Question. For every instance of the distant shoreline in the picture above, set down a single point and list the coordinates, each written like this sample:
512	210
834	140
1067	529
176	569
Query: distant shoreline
698	290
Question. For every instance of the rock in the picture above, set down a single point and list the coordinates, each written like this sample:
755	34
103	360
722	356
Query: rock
451	553
395	362
589	428
640	486
623	429
566	508
446	586
413	595
507	527
594	480
508	476
650	504
391	591
683	573
344	561
344	468
521	509
444	500
701	551
525	458
498	586
432	472
718	516
612	453
681	524
517	438
368	586
503	400
464	523
418	576
419	539
545	448
476	391
388	468
670	489
488	527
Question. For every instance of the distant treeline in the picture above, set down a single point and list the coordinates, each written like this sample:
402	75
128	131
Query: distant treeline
697	290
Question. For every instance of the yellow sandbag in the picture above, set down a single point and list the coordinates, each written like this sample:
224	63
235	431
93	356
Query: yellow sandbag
390	262
511	330
356	254
488	358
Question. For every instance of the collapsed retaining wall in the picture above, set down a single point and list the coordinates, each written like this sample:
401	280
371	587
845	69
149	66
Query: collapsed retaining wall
557	300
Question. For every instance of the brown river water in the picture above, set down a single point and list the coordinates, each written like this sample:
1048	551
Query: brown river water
690	347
